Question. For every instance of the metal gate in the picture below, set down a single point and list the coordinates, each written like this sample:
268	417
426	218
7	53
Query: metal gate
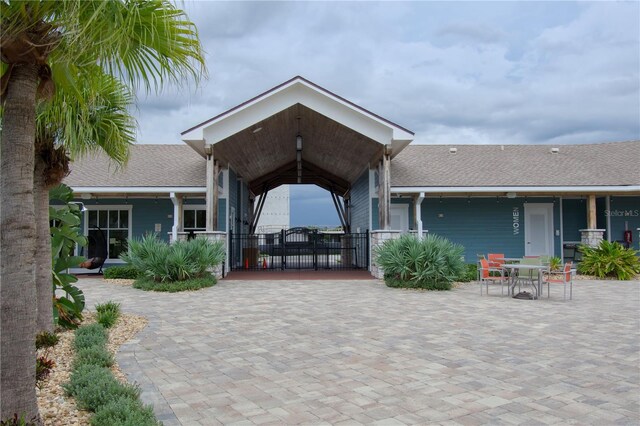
299	248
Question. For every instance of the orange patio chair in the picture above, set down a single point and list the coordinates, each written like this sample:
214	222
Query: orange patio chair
496	260
486	277
566	278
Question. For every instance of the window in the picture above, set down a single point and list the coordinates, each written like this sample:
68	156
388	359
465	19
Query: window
194	218
108	228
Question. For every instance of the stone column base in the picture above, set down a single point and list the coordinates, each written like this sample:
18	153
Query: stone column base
215	236
378	238
592	237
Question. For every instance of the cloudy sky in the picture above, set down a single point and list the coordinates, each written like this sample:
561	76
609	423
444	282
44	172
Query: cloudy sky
452	72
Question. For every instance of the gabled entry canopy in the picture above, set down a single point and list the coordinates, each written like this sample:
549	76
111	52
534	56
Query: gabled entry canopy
298	132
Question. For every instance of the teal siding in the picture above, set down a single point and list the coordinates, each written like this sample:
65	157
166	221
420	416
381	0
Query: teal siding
146	212
625	211
360	203
483	225
574	218
375	212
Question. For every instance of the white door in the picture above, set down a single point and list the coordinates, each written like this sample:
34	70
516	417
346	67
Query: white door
399	217
538	229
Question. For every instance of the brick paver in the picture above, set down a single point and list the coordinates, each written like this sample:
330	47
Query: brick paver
357	352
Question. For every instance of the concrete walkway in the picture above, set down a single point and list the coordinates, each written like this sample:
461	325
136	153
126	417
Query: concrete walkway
287	352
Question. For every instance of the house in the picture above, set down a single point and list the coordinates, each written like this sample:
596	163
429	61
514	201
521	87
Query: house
516	199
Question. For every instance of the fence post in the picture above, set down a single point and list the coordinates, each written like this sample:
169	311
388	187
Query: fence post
366	243
232	257
283	253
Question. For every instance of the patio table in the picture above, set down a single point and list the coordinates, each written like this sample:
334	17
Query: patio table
514	268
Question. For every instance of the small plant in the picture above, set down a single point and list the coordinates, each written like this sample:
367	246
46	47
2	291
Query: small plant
44	366
180	261
175	286
94	355
431	263
126	272
46	340
109	306
65	237
94	387
555	264
90	335
108	313
107	318
124	412
609	259
18	421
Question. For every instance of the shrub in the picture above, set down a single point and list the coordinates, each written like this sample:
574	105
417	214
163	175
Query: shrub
180	261
122	272
107	318
431	263
108	313
44	366
46	340
469	274
175	286
94	387
90	335
124	412
108	306
609	259
555	263
94	355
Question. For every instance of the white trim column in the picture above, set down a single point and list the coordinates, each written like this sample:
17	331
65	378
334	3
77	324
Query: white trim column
212	192
177	215
418	213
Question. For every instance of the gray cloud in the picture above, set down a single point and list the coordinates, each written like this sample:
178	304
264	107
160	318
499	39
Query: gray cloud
451	72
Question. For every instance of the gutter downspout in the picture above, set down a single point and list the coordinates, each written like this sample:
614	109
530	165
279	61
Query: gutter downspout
418	214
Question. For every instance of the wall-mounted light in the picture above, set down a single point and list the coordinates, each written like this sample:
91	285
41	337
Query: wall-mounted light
81	205
511	195
257	129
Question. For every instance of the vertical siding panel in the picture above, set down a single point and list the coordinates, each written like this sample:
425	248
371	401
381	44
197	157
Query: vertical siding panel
360	203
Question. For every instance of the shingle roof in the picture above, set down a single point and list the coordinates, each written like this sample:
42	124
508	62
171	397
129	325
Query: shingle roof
616	163
148	166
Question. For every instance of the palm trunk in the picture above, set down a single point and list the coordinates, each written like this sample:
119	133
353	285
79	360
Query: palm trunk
17	248
44	282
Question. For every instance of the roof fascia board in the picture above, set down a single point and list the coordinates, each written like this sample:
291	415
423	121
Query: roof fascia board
297	90
138	189
522	189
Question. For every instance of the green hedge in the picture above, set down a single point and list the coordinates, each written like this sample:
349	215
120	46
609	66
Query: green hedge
94	386
126	272
149	284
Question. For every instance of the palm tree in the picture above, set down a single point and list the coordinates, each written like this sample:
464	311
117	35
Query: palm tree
94	117
144	43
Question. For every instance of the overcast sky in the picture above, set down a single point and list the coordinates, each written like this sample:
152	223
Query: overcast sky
452	72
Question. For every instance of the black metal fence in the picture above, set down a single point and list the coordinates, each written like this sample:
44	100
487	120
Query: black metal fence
299	248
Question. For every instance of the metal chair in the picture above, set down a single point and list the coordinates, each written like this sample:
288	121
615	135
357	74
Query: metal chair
486	277
566	278
496	260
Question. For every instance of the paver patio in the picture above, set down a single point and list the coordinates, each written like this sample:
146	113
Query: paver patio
334	352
